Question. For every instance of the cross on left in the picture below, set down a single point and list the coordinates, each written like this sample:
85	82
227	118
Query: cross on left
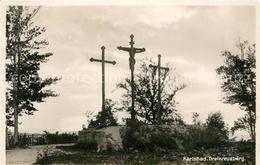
103	61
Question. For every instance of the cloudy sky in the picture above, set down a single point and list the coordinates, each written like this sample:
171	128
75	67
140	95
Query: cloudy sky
190	39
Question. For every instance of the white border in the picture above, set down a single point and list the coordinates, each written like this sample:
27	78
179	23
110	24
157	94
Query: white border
129	2
5	3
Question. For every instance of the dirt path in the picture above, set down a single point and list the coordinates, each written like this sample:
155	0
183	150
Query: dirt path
28	155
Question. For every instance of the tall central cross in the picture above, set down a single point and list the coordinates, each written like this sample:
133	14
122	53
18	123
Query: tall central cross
159	67
132	51
103	61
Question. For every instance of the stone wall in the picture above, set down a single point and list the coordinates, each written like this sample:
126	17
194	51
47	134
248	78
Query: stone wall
104	138
90	135
110	136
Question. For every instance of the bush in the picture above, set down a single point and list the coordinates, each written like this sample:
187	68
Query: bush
140	136
86	146
105	118
45	155
40	141
23	140
193	136
245	146
211	134
57	138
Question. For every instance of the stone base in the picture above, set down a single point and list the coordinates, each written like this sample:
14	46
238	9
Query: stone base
104	138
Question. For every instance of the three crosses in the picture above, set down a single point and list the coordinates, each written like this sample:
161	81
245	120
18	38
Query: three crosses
132	51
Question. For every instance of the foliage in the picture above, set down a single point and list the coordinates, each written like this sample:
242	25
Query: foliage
195	118
216	130
86	146
72	156
211	134
39	140
138	135
246	146
57	138
23	61
239	81
44	154
142	137
241	123
23	140
104	118
146	87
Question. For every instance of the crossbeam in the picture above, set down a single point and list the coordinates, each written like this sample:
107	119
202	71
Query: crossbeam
155	66
103	61
159	67
136	50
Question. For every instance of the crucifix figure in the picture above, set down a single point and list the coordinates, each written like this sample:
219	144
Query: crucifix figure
132	51
103	61
159	67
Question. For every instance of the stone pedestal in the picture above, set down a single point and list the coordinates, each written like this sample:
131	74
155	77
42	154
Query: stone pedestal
104	138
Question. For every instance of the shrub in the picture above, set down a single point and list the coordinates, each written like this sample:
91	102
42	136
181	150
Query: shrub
86	146
40	141
45	155
140	136
211	134
246	146
57	138
23	140
104	118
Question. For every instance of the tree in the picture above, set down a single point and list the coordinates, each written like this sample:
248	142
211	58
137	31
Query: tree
216	127
239	80
23	60
104	118
146	86
195	118
215	132
211	133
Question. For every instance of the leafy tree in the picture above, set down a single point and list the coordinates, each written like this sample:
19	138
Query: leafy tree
195	118
211	133
146	86
239	80
242	123
23	61
216	127
104	118
215	132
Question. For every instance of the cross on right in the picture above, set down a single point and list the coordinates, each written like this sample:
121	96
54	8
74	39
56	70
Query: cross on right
159	67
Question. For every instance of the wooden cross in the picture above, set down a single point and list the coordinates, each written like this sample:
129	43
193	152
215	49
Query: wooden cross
103	61
159	84
132	51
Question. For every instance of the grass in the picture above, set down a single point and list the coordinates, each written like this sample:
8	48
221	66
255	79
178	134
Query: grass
89	157
74	155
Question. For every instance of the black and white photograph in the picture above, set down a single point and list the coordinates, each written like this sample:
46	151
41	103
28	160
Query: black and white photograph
129	83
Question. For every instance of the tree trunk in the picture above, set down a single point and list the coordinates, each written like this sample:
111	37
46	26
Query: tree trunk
7	142
16	81
251	124
15	101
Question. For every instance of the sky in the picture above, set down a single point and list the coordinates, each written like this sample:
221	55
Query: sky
189	38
